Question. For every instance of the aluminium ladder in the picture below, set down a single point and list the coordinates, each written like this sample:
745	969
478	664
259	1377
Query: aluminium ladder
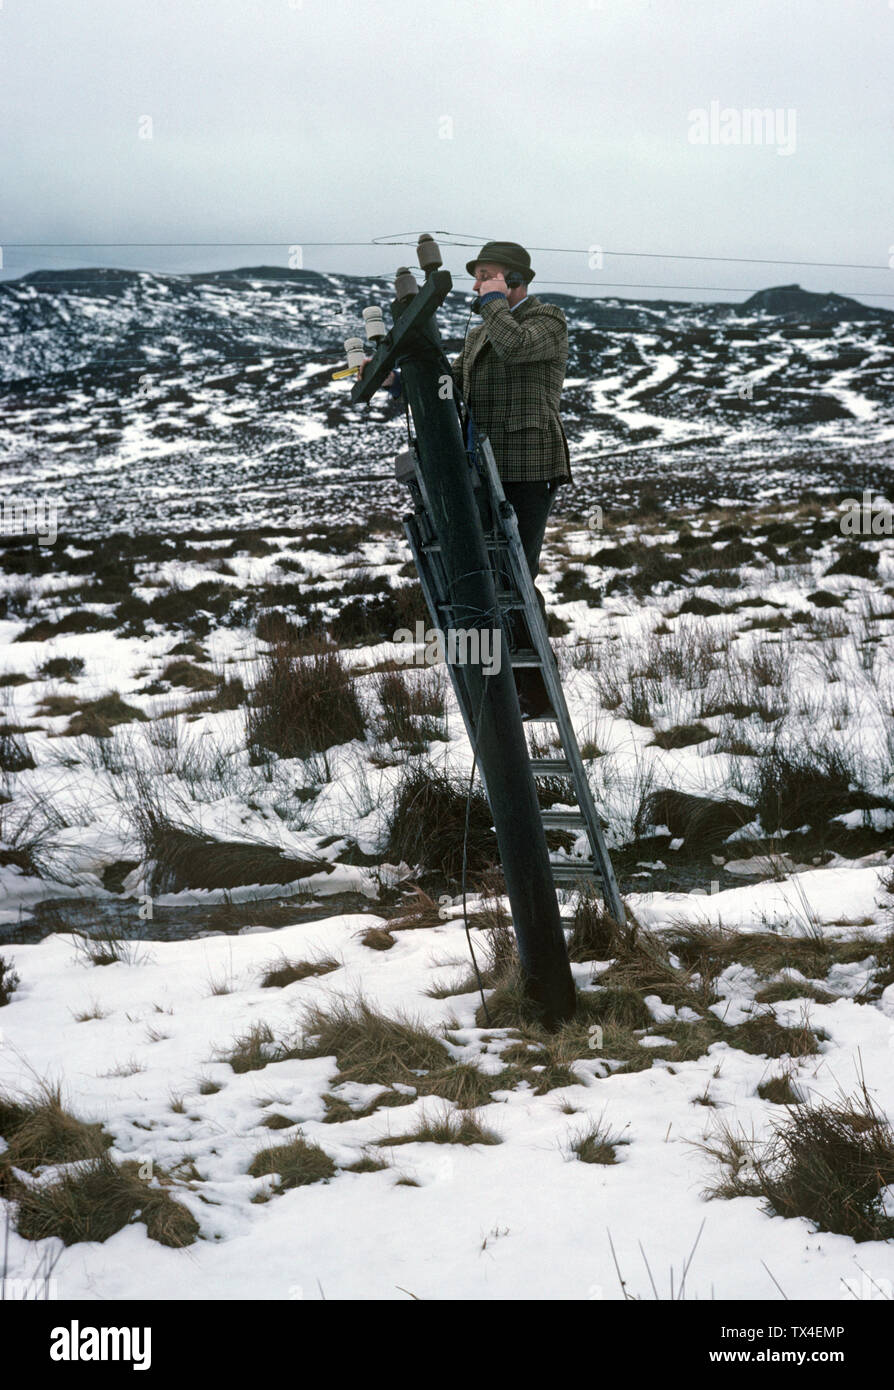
528	647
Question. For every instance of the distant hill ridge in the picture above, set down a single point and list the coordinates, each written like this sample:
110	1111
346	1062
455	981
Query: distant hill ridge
791	302
780	301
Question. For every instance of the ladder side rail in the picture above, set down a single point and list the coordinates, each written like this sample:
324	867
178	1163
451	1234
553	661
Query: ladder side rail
537	627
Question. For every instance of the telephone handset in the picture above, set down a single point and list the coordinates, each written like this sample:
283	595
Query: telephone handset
513	280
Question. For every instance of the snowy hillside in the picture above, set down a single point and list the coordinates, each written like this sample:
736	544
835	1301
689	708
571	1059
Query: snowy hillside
149	400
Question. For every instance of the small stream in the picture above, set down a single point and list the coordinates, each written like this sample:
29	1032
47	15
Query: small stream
648	866
122	918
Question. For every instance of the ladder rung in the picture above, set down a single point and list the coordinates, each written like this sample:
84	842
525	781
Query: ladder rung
550	767
562	819
434	548
559	820
570	872
526	657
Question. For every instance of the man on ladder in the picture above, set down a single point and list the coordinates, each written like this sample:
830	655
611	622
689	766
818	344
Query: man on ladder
510	374
508	380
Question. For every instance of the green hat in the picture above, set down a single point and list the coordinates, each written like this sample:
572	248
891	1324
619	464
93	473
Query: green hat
507	253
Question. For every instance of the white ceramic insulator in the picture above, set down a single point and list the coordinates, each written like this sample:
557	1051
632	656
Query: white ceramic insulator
354	349
375	324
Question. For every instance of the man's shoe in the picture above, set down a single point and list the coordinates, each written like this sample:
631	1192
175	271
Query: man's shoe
531	709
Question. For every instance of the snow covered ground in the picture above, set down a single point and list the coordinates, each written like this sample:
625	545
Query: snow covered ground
522	1218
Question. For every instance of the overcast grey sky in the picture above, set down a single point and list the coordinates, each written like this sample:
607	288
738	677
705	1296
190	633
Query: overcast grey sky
556	123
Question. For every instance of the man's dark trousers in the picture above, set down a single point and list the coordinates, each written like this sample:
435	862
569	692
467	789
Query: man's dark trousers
532	503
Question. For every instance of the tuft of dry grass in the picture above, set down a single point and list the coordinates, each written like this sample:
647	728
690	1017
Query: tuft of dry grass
709	949
297	1163
642	962
93	1011
697	819
154	1034
827	1162
9	980
596	1143
66	668
338	1111
106	946
780	990
804	785
374	1049
220	984
447	1127
303	703
100	1197
367	1164
619	1007
369	1046
277	1121
290	972
591	1035
463	1084
186	673
594	933
412	708
509	1004
420	911
38	1130
377	939
778	1090
129	1068
94	717
252	1050
427	822
764	1035
15	755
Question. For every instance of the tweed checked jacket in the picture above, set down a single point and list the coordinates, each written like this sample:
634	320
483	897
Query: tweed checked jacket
510	373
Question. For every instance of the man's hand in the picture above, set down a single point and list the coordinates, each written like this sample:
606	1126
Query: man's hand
389	378
489	286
